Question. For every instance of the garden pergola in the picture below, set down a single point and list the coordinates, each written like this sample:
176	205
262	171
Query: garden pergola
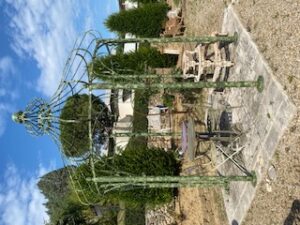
41	117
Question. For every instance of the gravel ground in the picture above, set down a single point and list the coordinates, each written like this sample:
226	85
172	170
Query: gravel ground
199	206
274	26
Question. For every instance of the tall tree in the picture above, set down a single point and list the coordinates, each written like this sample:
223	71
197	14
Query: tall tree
63	205
74	124
54	186
134	161
138	62
145	21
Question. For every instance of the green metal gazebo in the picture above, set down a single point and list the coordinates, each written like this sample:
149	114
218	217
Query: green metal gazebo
45	117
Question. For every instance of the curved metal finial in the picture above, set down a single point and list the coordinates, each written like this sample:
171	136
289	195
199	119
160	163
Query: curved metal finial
18	117
37	117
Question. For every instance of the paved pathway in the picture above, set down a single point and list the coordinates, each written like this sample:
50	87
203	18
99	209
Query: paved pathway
264	116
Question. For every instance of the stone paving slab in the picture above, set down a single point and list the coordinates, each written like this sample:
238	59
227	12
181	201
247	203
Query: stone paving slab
264	116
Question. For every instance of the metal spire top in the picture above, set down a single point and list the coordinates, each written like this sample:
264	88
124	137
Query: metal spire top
80	122
43	117
18	117
36	117
59	116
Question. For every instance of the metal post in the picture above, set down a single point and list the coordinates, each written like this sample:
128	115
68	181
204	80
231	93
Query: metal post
259	84
126	76
145	134
200	40
171	181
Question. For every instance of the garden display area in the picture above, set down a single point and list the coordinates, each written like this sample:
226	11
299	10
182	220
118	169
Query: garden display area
213	148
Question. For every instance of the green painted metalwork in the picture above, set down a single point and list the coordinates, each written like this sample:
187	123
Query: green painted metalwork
37	117
18	117
42	117
172	181
180	39
145	134
260	84
183	85
142	76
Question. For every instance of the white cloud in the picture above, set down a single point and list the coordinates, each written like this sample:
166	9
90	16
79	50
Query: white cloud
7	75
7	93
5	109
46	31
6	67
21	202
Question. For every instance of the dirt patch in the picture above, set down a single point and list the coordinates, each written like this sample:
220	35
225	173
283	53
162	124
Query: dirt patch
199	206
202	17
274	26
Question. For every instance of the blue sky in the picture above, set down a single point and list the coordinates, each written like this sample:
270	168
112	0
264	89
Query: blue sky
36	37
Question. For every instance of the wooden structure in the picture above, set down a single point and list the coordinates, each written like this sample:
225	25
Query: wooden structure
196	62
174	26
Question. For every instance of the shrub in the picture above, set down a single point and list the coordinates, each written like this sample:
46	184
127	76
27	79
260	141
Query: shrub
145	21
74	136
137	162
132	63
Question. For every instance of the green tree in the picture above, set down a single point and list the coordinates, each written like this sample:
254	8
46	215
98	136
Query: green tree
145	21
138	62
133	161
74	124
63	206
72	215
54	186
